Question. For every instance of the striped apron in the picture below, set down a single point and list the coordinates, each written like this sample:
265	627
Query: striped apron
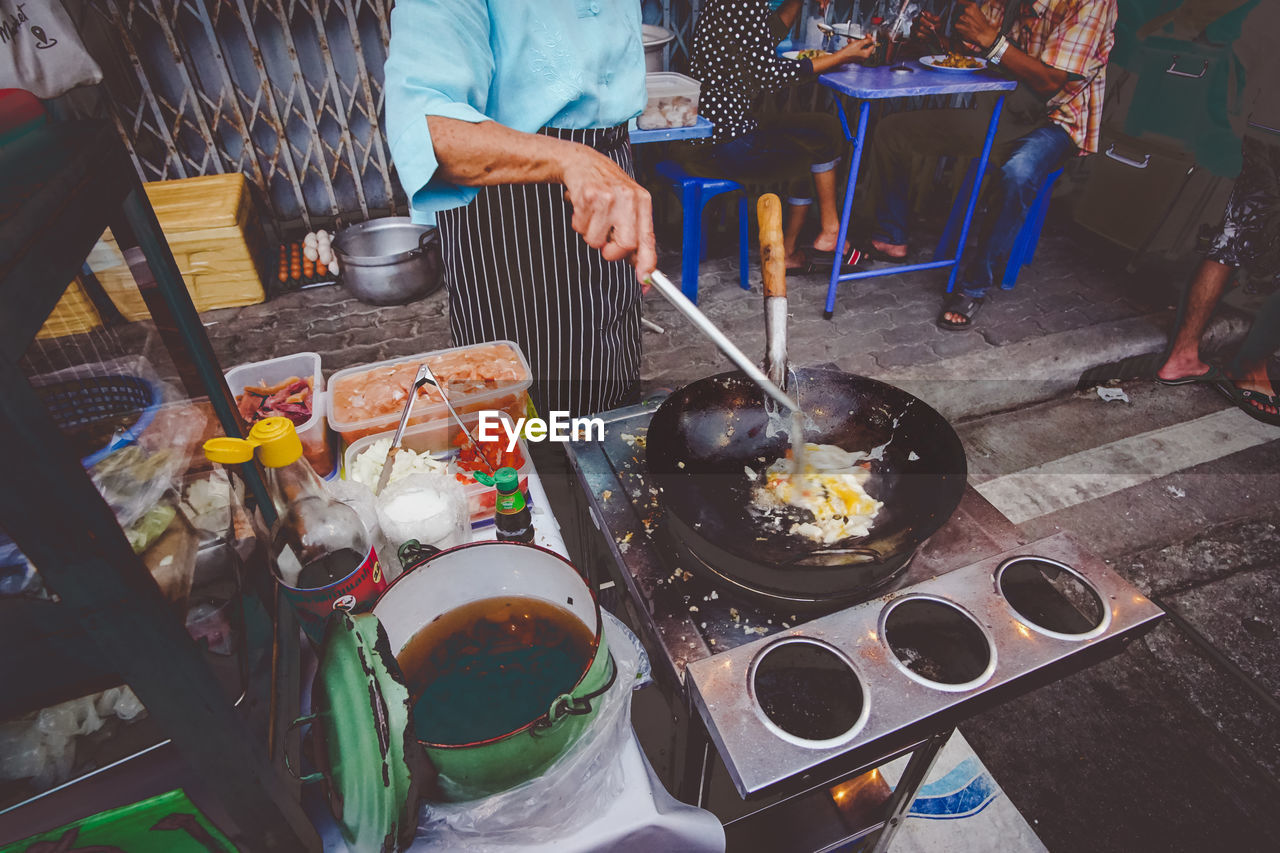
515	269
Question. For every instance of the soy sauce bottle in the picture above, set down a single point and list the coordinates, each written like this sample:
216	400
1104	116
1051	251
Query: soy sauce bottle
321	553
511	512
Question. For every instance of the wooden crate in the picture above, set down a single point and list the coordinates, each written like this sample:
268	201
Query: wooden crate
216	239
73	315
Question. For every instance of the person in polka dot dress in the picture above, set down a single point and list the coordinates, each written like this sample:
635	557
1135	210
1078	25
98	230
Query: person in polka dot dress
735	58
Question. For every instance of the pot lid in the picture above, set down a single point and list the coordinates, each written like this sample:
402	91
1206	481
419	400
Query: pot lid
371	763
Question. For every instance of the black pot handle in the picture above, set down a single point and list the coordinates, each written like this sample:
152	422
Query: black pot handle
424	238
566	705
413	551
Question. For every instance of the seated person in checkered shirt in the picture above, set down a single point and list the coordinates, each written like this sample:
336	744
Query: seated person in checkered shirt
1057	50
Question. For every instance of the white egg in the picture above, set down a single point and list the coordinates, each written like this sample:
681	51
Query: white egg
326	255
333	266
310	239
309	252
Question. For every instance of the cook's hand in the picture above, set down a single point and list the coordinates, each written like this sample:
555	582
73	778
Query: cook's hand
611	211
973	26
823	4
857	51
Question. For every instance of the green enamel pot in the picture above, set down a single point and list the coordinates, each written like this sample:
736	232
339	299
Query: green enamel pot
376	766
436	583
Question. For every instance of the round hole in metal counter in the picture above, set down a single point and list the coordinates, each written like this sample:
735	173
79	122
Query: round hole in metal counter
808	690
1051	596
937	641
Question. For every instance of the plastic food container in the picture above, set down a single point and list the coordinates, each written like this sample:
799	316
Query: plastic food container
672	101
446	436
315	437
467	395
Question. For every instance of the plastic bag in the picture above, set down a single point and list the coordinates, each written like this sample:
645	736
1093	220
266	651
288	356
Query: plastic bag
41	50
151	457
43	747
580	784
360	498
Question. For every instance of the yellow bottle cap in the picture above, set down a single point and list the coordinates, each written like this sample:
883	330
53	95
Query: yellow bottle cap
276	439
228	451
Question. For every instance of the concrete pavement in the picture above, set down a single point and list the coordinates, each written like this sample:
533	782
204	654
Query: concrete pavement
1073	310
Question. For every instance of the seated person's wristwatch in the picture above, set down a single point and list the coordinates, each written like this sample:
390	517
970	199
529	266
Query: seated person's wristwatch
996	52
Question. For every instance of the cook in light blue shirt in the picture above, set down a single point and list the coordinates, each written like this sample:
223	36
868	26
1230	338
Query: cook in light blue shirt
526	64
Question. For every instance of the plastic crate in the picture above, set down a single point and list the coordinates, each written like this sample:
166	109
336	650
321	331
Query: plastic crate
316	444
510	397
663	107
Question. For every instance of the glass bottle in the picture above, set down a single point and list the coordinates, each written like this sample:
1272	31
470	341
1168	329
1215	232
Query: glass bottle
511	513
320	550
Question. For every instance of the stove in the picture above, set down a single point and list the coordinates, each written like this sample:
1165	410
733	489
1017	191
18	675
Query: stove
794	699
691	617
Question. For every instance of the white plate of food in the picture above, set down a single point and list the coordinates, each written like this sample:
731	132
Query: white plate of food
809	53
954	62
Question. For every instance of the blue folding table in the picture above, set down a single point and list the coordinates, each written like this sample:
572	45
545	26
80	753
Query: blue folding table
869	84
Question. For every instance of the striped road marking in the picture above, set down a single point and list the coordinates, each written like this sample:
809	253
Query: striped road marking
1123	464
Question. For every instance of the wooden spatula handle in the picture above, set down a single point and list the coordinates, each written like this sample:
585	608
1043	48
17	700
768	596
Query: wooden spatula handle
773	258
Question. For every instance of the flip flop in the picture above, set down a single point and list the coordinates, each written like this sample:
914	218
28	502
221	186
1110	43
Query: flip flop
876	255
809	266
966	306
826	258
1213	374
1244	399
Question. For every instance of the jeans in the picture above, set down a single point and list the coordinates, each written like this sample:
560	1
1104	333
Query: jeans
787	147
1021	157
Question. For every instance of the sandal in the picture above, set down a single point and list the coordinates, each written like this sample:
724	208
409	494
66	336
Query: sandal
966	306
827	258
1251	402
806	264
1213	374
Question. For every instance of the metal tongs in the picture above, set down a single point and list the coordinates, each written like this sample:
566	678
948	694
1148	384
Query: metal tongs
424	376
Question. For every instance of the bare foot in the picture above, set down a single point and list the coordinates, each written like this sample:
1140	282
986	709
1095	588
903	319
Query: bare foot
1179	367
827	243
797	260
891	249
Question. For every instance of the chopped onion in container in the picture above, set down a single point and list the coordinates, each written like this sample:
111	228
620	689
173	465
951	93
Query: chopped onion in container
367	467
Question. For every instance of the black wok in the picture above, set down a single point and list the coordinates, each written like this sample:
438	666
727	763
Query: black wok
705	434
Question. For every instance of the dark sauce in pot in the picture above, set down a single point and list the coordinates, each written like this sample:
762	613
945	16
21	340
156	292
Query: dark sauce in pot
492	666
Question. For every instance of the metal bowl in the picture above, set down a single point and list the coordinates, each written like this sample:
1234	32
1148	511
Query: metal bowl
388	261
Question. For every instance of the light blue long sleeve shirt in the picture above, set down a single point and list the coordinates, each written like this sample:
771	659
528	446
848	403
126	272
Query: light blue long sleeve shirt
526	64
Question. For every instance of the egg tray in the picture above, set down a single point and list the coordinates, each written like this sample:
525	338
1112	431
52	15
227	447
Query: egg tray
286	281
900	706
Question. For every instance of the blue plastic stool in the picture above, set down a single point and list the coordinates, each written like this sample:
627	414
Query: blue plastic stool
1024	245
694	194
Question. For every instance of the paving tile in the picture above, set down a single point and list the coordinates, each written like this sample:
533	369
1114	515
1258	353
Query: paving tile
878	323
1121	744
1240	615
1008	332
958	343
905	355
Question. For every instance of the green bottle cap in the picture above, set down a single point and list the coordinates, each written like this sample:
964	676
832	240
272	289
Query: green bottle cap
506	479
